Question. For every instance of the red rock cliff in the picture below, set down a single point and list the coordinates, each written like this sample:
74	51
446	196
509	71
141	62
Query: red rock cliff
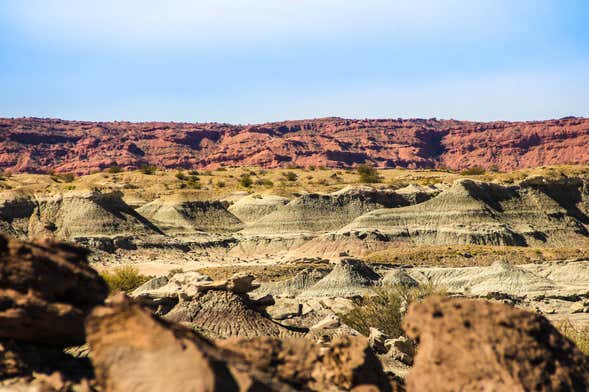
41	145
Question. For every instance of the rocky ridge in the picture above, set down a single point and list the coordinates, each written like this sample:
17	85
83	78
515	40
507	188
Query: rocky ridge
43	145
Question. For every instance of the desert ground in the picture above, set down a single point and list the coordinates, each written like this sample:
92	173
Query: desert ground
317	254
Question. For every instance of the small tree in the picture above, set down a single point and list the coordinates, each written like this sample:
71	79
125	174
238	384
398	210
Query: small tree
368	174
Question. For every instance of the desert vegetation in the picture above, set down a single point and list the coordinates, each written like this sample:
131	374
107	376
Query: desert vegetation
124	278
385	306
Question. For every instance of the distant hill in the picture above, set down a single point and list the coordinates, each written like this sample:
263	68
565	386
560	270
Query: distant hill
44	145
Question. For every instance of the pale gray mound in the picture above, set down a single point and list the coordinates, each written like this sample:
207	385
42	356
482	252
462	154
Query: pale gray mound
571	273
179	215
479	213
501	277
399	277
222	314
15	211
253	207
350	277
320	213
293	286
87	214
416	194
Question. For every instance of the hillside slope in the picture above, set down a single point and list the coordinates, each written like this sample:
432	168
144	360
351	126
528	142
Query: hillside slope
43	145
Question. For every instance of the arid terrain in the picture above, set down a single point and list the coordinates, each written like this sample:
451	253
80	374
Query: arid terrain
44	145
272	276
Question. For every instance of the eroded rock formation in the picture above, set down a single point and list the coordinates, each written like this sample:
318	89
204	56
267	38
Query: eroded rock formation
40	145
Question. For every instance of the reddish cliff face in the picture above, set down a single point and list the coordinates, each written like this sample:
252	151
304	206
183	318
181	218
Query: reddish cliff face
41	145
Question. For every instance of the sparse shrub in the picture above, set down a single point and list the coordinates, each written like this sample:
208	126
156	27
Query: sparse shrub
115	169
246	181
181	176
311	168
385	308
290	176
221	184
473	171
65	177
148	169
124	279
128	185
194	183
265	182
368	174
193	172
494	169
221	169
207	173
577	334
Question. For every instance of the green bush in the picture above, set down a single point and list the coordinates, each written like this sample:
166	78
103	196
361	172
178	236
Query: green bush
148	169
246	181
473	171
115	169
368	174
385	308
125	279
290	176
65	177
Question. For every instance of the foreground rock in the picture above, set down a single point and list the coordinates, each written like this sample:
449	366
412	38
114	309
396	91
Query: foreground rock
132	350
474	345
46	290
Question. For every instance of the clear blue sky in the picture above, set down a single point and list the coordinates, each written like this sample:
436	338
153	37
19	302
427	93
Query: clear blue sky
247	61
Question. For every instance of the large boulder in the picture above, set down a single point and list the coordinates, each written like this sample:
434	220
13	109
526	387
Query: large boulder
342	365
133	350
475	345
46	291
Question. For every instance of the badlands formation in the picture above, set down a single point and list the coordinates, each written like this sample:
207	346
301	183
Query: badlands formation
41	145
261	291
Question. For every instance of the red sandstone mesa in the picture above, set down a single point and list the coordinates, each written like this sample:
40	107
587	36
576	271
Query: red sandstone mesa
42	145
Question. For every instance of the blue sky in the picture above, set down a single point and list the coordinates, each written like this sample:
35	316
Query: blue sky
247	61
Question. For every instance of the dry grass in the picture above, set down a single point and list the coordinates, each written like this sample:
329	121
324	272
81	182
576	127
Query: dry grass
287	182
385	308
124	279
473	255
577	334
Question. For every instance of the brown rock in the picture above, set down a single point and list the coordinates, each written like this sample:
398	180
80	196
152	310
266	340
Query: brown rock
344	364
474	345
132	350
41	145
46	290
